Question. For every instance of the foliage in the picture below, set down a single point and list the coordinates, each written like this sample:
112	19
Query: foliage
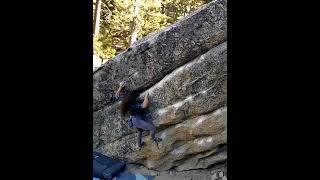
117	17
176	9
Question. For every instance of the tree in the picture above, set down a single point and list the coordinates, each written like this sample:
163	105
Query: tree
152	17
122	22
135	25
176	9
97	17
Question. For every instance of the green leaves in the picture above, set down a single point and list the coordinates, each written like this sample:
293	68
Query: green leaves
102	47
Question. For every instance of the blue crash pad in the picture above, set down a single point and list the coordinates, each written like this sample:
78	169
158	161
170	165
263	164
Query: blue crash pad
105	167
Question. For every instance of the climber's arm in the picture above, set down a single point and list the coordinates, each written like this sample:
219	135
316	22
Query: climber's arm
120	89
145	103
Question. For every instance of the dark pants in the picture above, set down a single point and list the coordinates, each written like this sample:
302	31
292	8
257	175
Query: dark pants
142	125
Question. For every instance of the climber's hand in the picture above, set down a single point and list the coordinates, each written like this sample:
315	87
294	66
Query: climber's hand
122	84
145	103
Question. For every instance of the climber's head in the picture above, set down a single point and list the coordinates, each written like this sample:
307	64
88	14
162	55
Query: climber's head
129	98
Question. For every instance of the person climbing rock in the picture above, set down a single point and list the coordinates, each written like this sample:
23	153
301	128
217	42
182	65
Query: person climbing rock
131	105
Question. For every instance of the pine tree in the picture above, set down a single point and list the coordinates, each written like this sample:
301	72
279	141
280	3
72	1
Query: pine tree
136	22
97	17
124	21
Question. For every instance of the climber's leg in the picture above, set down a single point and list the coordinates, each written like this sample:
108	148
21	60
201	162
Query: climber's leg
146	126
153	133
152	130
140	142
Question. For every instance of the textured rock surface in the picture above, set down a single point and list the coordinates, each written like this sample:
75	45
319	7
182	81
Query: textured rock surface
193	89
184	70
149	60
204	160
196	135
210	173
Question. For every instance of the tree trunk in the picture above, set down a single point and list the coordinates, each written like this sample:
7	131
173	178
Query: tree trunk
97	17
136	22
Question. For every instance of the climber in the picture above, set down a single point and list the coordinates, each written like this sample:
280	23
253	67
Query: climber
130	104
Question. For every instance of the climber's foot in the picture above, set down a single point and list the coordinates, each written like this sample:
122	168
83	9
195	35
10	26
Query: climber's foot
141	145
157	140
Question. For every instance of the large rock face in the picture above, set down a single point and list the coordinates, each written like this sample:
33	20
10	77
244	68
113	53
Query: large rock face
184	70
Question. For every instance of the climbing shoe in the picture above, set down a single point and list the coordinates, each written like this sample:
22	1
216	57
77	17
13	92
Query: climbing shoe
157	140
141	145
